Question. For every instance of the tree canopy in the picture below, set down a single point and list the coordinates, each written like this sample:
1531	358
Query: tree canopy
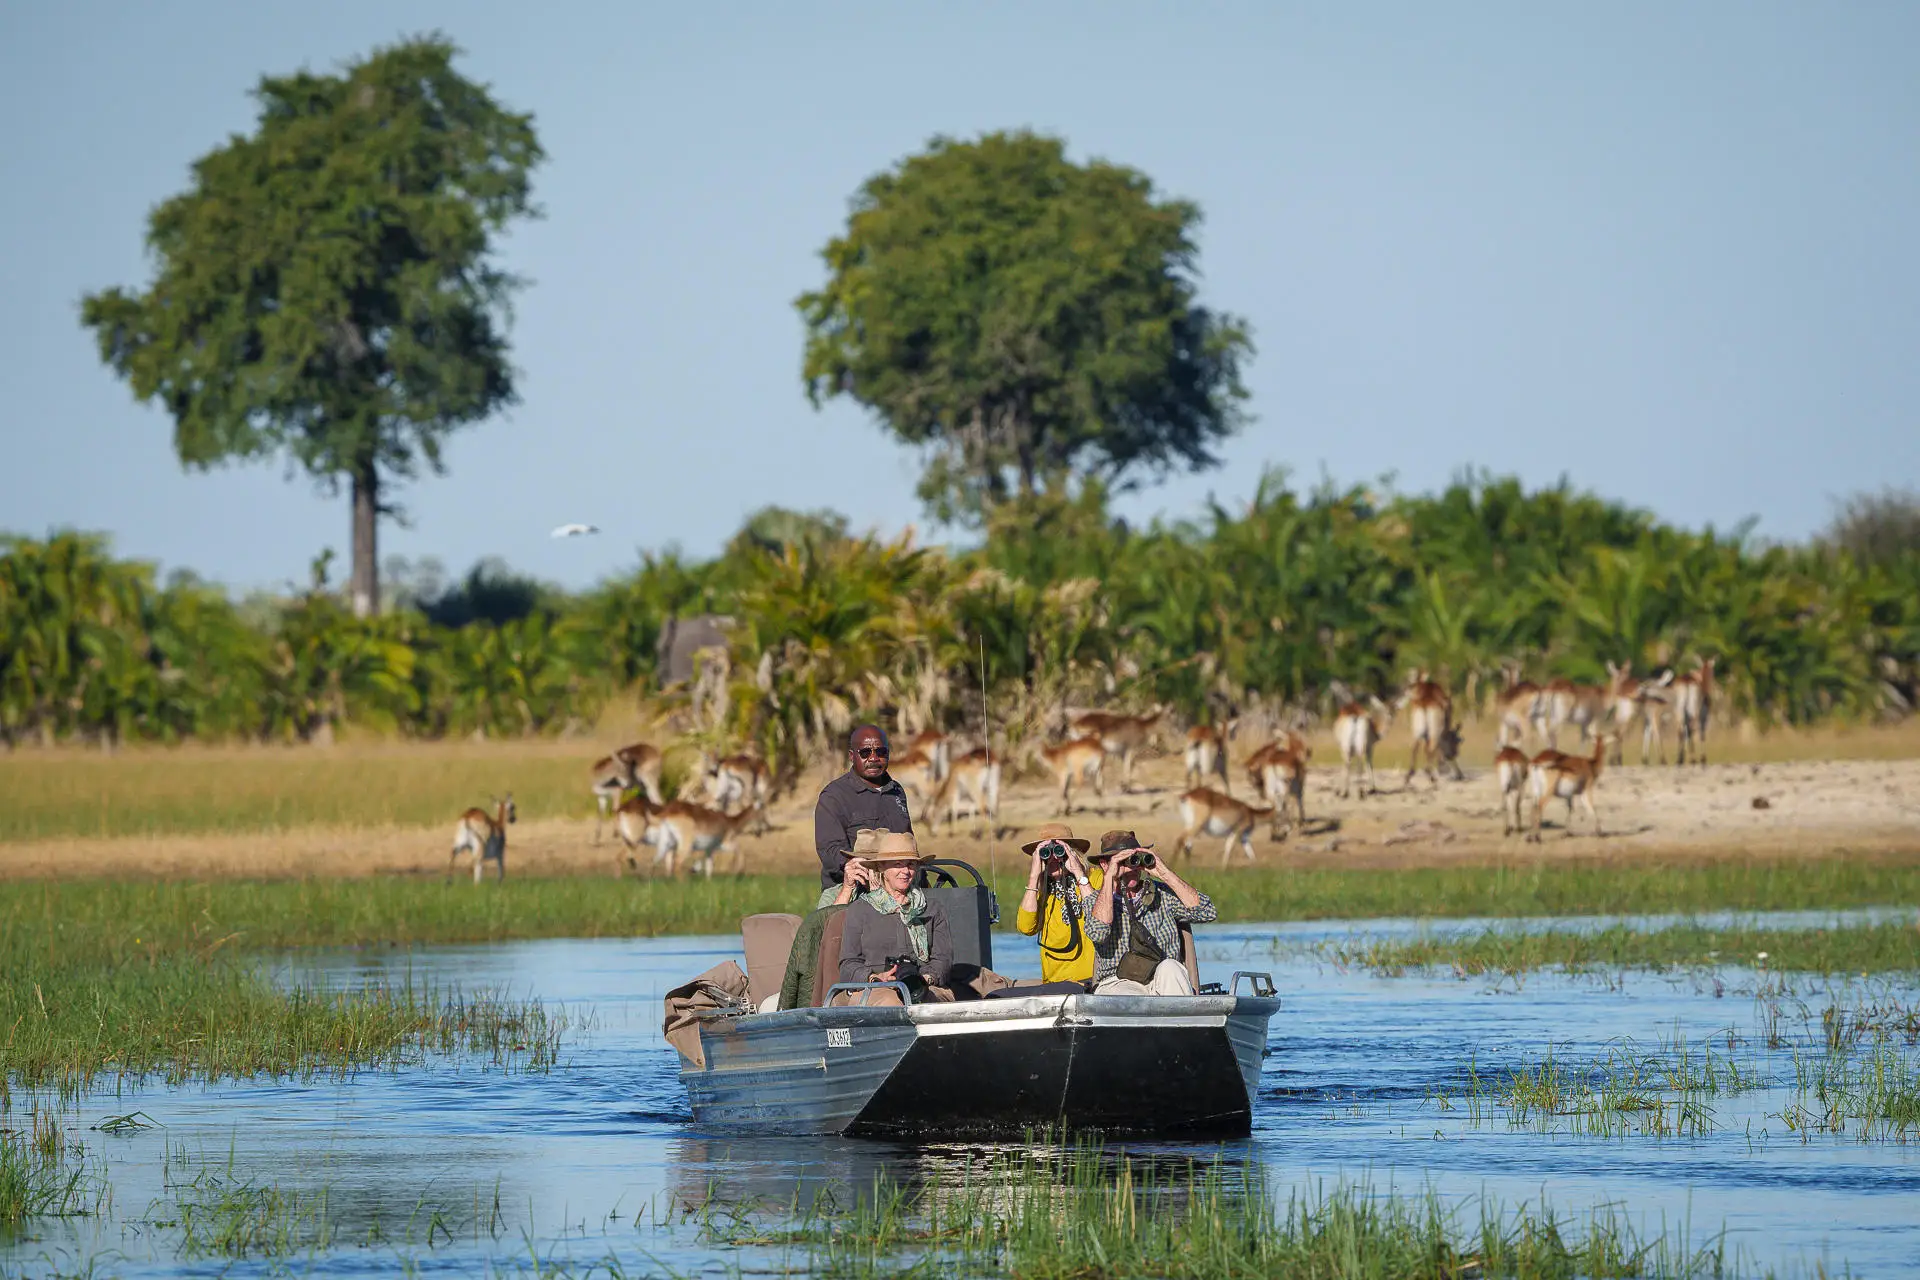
326	287
1026	319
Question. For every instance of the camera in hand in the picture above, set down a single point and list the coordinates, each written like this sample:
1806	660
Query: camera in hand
1140	858
907	969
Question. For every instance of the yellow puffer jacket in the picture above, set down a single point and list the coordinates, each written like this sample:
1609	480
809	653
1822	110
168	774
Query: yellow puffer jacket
1060	959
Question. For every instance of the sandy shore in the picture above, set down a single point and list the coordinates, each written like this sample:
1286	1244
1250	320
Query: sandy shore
1741	810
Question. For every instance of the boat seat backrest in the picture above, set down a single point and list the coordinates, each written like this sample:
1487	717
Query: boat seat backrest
767	939
828	971
970	912
1190	954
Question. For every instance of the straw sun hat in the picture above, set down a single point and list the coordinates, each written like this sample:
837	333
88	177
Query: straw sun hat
895	846
1054	831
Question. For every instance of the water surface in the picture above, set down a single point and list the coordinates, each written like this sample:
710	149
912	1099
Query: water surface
577	1166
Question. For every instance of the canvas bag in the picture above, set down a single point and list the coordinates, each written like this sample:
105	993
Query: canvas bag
1143	953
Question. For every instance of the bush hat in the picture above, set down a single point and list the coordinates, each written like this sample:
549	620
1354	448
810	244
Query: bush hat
896	846
1055	831
1113	842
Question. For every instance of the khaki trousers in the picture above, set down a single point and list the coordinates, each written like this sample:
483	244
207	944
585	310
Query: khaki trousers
1169	979
888	998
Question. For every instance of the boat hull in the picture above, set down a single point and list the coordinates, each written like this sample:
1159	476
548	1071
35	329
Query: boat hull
1167	1066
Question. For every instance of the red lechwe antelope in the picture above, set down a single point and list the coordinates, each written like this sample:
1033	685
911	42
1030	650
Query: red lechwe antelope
1580	705
1288	743
1632	697
1510	767
1121	735
1692	702
1554	773
918	773
1283	784
938	748
1430	717
699	832
1076	760
636	765
739	780
976	775
1520	706
633	827
1210	812
1356	734
1206	754
484	835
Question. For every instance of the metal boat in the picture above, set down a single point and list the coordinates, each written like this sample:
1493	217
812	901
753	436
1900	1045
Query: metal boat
1170	1066
1167	1066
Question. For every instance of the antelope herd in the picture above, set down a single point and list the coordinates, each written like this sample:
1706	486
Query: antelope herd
737	789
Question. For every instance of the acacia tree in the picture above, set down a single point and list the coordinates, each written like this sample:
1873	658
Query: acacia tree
1026	319
326	286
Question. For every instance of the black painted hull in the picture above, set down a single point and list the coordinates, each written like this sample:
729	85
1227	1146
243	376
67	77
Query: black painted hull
1161	1066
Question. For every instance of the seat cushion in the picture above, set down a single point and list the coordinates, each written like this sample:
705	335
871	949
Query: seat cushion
767	939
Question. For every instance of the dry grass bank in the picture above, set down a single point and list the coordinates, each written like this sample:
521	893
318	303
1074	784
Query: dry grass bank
387	809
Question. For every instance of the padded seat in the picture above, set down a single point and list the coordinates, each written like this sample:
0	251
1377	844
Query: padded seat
767	939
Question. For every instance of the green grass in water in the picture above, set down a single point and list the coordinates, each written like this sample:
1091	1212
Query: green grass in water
1880	948
1085	1215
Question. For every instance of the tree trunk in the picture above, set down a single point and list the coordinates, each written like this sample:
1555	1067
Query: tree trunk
366	542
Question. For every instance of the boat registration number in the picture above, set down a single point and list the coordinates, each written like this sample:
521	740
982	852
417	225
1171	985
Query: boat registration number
839	1037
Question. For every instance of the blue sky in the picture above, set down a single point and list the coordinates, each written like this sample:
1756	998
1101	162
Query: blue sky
1665	251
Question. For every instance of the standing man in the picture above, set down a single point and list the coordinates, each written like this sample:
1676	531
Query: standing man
865	796
1134	920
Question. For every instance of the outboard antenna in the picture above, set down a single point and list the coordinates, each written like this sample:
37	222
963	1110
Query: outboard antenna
986	739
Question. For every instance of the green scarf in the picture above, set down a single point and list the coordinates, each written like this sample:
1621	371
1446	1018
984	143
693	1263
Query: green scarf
914	916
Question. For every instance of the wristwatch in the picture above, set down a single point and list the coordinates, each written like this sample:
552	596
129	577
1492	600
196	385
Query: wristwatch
1083	882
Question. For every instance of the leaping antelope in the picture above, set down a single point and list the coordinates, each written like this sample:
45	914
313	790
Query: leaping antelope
1356	734
1692	702
635	765
1430	717
1209	812
1553	773
1510	767
1121	735
1522	704
976	775
484	835
700	832
1635	697
1077	760
1206	754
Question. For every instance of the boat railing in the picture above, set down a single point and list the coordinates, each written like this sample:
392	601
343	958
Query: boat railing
1258	979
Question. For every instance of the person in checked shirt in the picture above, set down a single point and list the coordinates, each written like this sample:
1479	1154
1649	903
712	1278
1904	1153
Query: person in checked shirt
1134	920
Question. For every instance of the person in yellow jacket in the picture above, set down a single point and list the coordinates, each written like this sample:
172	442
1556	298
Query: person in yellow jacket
1056	883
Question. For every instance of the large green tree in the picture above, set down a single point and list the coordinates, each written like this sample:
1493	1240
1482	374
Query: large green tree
1025	319
326	287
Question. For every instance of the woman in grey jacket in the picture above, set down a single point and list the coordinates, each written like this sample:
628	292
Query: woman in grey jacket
894	921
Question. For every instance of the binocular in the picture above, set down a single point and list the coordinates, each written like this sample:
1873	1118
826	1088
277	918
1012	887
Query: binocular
906	969
1138	858
1053	851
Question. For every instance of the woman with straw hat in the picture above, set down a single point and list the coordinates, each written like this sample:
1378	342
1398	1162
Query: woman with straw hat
895	933
1051	905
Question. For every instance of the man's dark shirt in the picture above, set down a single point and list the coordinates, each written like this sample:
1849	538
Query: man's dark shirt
847	804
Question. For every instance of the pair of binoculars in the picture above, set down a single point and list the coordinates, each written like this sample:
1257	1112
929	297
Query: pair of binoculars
906	969
1053	851
1139	858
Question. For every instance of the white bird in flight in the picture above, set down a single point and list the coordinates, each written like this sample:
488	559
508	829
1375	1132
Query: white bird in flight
575	530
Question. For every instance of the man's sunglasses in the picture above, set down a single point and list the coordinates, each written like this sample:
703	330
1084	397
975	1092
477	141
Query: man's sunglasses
868	753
